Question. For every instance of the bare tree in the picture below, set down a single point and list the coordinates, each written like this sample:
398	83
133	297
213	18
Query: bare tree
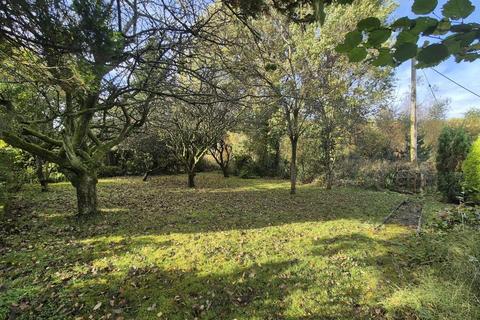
192	128
222	153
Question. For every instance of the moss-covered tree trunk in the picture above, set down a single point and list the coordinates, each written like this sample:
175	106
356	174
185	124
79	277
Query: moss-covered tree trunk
86	187
190	163
40	171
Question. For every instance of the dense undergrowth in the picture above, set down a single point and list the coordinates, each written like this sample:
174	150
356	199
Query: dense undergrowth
232	249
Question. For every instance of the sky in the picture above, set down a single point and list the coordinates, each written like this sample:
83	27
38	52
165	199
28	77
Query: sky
465	73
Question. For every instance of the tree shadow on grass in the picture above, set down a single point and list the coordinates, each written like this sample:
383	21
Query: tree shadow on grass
347	276
285	289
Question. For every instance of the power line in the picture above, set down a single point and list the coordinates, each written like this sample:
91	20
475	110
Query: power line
458	84
430	86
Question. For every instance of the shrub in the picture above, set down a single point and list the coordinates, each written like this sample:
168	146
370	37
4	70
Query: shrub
110	171
12	173
309	163
205	165
453	146
55	175
398	176
244	166
471	171
143	153
457	215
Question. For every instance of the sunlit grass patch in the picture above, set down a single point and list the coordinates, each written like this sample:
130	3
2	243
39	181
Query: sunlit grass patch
434	298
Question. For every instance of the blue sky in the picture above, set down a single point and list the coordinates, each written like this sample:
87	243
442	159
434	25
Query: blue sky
465	73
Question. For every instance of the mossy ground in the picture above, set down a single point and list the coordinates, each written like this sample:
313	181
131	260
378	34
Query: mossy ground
229	249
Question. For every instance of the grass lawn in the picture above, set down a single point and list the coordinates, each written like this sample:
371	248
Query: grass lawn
230	249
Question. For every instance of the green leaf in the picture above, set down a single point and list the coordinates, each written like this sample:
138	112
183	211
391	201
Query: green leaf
469	57
425	25
458	9
433	54
379	36
353	39
342	48
357	54
405	51
466	38
443	27
383	59
461	28
402	23
453	46
368	24
424	6
455	43
407	37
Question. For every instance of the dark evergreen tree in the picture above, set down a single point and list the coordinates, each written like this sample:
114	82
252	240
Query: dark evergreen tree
453	147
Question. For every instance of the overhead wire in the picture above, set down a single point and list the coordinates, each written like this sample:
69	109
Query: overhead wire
455	82
430	86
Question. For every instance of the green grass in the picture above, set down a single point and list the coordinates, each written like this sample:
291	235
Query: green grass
230	249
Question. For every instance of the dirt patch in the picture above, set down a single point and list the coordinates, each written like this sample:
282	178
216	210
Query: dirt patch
407	213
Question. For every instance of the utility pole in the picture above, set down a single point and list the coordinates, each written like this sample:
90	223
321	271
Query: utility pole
413	113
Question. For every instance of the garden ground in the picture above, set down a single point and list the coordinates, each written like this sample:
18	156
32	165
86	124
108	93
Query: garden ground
230	249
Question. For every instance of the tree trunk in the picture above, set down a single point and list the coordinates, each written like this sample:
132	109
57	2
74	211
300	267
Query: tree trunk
293	167
225	172
41	173
86	186
146	175
191	179
413	114
329	178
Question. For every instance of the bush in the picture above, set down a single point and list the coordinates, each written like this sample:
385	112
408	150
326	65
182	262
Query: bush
55	175
458	215
110	171
380	175
471	172
244	166
450	185
12	174
453	146
205	165
143	153
309	166
139	163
